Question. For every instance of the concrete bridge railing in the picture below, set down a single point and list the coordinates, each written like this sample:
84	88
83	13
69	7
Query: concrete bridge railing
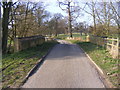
22	43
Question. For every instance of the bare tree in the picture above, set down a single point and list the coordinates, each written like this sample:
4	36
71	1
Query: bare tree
57	17
102	17
116	14
92	7
70	8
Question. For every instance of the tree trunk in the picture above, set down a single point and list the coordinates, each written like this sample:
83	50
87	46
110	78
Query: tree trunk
69	21
119	18
56	27
0	32
94	17
25	25
5	22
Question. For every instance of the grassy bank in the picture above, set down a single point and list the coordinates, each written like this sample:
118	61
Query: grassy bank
16	66
103	59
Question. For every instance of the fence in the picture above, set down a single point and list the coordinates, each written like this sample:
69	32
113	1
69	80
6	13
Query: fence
111	44
78	38
98	40
22	43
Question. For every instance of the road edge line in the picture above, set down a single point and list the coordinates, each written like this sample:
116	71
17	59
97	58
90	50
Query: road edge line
105	81
40	61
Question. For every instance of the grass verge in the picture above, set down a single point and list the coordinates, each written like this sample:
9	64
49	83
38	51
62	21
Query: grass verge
75	35
16	66
103	59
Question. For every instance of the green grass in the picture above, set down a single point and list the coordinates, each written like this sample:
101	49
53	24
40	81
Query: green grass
103	59
16	66
64	36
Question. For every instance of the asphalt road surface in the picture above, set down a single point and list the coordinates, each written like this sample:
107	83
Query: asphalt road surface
66	66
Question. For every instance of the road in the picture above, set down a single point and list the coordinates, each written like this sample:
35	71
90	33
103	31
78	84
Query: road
66	66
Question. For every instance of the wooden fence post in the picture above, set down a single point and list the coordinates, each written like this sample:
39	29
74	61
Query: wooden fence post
118	47
112	48
107	43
